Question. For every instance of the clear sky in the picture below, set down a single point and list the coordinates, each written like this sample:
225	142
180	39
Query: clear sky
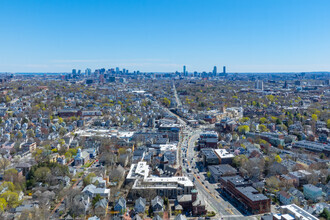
164	35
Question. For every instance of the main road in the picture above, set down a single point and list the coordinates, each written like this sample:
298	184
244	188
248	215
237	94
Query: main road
222	207
212	197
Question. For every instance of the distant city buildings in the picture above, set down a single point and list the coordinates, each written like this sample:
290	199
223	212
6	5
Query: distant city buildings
259	84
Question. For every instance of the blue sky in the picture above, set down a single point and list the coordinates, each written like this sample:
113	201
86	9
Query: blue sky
164	35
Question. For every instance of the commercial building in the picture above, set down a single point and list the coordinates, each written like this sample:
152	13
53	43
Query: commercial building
138	171
244	195
173	131
209	157
295	212
217	171
208	140
169	187
224	156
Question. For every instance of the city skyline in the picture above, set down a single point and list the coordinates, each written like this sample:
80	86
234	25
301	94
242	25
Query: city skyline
249	36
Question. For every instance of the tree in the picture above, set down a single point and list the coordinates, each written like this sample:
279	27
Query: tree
3	204
42	174
30	133
4	163
122	151
262	120
244	119
239	160
7	185
19	135
209	174
11	198
243	129
328	123
62	131
96	199
166	102
314	117
325	214
278	159
60	120
263	128
88	179
273	183
278	121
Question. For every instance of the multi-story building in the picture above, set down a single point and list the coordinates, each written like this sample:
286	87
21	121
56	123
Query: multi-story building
294	212
169	187
173	131
312	192
313	146
243	194
217	171
209	157
208	140
224	156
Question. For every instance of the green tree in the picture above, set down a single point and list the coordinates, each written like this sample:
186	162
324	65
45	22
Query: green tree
11	198
239	160
122	151
19	135
42	174
30	133
314	117
209	174
328	123
96	199
60	120
88	179
325	214
8	185
263	128
243	129
244	119
278	159
3	204
278	121
262	120
166	102
273	183
62	131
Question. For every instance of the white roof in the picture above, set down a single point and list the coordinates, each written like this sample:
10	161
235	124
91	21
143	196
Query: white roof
223	153
139	170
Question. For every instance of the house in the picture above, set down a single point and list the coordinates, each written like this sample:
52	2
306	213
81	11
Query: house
312	192
297	195
25	167
92	191
157	204
101	183
140	205
29	147
101	207
285	198
191	202
120	205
